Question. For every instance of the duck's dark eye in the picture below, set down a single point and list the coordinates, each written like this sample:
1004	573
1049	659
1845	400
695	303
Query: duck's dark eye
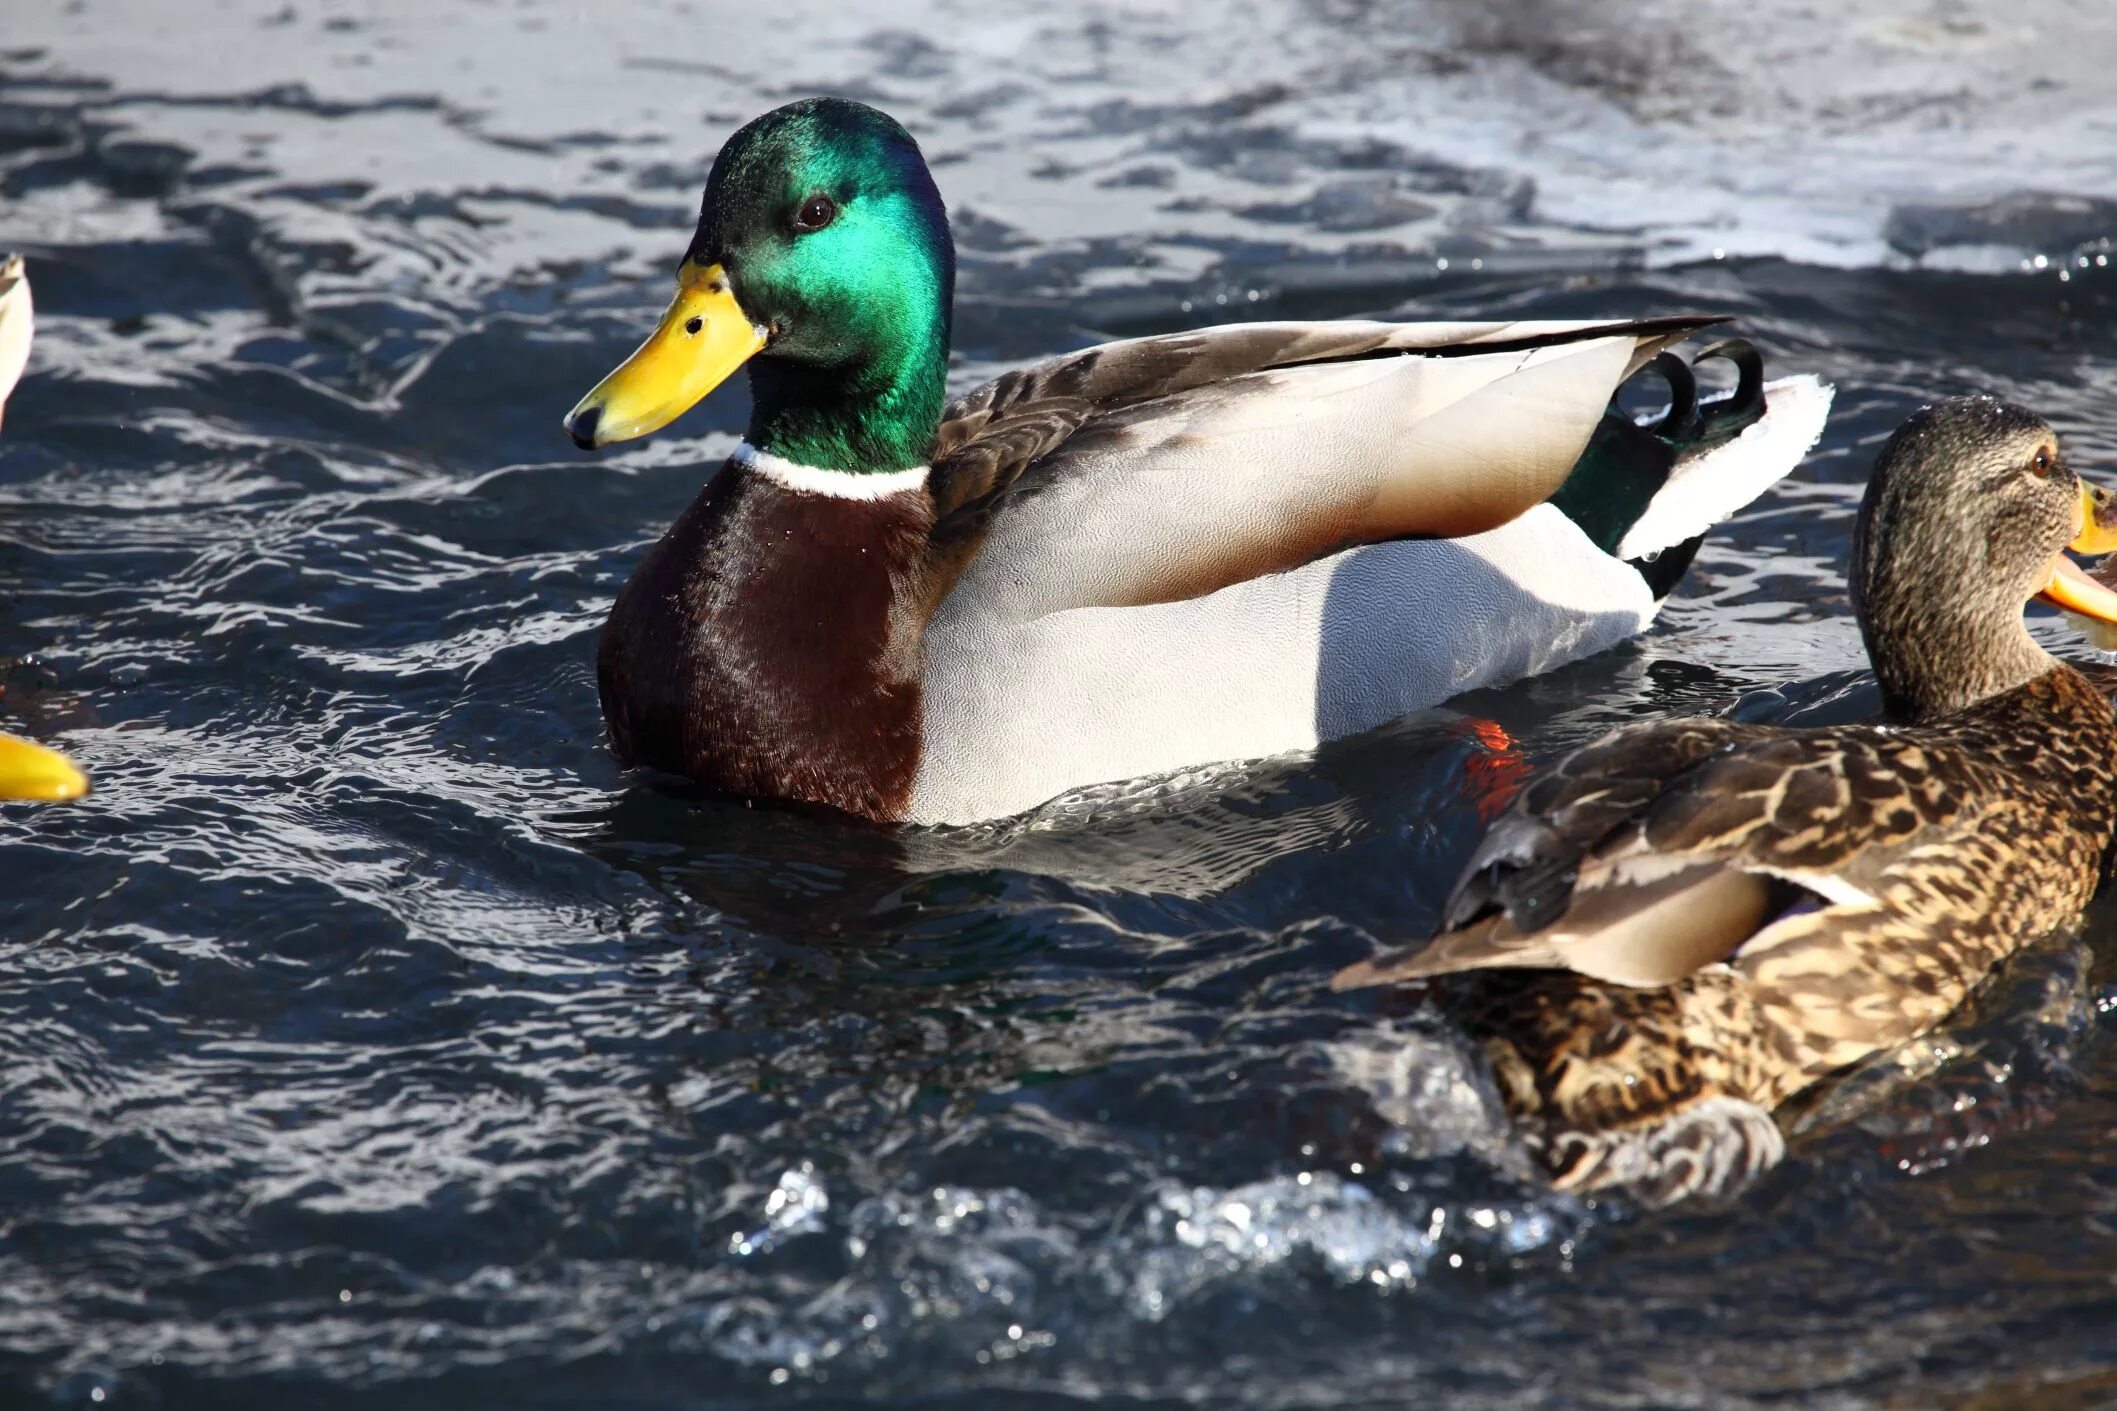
816	213
2042	464
693	324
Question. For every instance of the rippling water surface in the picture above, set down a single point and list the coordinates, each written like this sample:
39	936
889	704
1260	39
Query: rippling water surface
370	1040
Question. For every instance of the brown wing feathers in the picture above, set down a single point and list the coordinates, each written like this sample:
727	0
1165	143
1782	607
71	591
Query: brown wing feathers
991	435
1529	859
1165	469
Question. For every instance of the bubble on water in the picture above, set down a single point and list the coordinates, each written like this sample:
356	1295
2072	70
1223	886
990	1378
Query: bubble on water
796	1206
1434	1091
992	1276
1188	1242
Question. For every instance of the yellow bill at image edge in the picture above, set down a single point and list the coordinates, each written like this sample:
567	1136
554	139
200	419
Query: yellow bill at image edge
32	773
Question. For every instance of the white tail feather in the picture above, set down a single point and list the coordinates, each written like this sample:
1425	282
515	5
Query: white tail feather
1706	490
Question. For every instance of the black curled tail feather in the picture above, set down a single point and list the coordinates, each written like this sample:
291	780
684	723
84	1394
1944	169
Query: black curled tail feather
1706	425
1683	397
1724	418
1626	463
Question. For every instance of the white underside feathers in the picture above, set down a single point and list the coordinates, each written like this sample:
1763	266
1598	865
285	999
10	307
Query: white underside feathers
16	319
1019	712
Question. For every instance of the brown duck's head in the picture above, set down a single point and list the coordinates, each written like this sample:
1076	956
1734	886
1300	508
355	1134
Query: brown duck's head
1968	515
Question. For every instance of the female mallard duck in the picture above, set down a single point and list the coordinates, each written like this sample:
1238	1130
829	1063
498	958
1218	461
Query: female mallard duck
27	771
1713	916
1126	560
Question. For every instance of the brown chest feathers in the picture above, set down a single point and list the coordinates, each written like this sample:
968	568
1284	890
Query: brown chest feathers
764	646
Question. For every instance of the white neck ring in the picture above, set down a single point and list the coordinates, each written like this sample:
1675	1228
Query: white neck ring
838	484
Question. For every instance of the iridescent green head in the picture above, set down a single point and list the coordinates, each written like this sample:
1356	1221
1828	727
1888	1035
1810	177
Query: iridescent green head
823	260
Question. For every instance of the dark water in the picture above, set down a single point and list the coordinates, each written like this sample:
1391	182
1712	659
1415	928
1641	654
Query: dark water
370	1040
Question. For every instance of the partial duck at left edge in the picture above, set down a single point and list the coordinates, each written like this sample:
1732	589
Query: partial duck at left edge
28	772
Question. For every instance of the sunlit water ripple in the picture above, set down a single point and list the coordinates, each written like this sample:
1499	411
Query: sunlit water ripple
370	1040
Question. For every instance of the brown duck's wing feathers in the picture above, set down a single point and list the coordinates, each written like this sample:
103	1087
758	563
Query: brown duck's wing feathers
1163	469
1665	848
1527	861
1652	931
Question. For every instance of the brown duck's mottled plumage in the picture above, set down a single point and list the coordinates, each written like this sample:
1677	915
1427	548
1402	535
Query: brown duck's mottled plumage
1683	924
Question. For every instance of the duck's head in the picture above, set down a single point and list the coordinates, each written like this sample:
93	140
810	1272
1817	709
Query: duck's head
1967	516
823	261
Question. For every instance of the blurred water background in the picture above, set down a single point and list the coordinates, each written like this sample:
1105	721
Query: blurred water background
368	1040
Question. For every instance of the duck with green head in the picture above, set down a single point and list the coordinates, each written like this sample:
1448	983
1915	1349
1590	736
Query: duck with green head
1123	561
28	771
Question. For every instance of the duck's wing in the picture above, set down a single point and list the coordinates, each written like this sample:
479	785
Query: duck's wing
1159	469
15	321
1527	862
1663	849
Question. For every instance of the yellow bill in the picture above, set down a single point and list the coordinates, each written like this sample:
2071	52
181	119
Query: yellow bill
2088	601
2098	521
33	773
702	339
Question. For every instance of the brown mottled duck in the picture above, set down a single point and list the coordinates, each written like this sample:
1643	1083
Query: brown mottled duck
1680	926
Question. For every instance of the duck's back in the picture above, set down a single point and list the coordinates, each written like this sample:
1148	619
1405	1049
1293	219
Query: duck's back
1255	564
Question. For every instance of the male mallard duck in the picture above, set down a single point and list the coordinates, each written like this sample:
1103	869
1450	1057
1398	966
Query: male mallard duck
27	771
1714	916
1141	556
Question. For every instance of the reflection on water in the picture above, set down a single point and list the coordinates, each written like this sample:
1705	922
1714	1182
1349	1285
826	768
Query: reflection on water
369	1039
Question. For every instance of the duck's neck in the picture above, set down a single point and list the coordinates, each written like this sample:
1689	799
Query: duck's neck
874	415
1932	658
